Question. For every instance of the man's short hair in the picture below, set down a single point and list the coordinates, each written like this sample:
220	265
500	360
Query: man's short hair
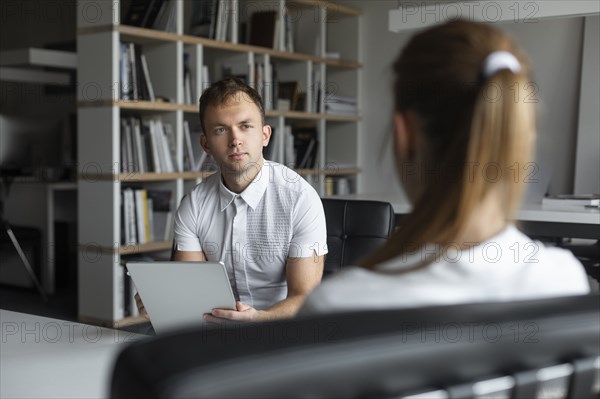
222	91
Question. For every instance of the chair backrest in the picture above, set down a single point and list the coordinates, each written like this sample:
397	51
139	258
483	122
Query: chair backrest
355	228
526	349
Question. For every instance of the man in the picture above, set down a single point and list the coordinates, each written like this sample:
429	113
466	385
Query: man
261	219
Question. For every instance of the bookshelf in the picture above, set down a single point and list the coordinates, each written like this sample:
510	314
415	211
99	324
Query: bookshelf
328	64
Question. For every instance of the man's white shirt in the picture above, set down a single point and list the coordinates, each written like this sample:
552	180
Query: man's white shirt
278	216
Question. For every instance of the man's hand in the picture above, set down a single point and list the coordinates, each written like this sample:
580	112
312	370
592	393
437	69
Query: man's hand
302	275
243	312
140	306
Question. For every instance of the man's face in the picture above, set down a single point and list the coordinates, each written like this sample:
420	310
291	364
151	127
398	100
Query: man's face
235	135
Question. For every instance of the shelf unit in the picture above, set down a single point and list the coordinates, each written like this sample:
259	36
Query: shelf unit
336	28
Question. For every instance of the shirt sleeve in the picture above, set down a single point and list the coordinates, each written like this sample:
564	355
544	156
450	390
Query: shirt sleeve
185	229
309	228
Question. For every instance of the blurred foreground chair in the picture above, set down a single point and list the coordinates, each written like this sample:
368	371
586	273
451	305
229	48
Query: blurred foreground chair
526	349
354	229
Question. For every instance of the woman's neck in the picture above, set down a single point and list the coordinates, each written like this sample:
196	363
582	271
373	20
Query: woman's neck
485	221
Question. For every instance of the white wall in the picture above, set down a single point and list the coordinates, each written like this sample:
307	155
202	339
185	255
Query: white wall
554	47
587	179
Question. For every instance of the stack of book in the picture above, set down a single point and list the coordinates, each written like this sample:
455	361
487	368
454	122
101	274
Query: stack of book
300	147
213	19
152	14
146	216
338	105
265	30
147	146
134	74
306	145
337	185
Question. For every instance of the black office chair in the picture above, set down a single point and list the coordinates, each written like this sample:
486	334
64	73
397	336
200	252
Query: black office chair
354	229
525	349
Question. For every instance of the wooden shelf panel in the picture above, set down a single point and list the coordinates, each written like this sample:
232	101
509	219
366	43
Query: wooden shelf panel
134	177
128	321
135	249
331	7
328	172
191	108
141	105
132	249
149	36
341	118
313	116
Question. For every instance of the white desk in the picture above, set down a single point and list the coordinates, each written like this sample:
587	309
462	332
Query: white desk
571	221
49	358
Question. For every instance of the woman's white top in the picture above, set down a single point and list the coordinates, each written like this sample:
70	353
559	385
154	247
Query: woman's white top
507	267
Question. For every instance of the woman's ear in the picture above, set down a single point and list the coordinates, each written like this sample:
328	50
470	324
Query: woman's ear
404	136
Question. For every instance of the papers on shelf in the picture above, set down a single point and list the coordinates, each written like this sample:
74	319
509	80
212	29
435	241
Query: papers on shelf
592	200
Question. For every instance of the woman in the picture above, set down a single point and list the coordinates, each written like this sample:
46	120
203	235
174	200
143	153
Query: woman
464	130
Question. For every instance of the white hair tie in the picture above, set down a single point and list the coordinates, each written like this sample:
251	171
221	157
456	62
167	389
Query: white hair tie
499	60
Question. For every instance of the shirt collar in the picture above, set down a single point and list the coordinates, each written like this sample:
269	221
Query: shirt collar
252	194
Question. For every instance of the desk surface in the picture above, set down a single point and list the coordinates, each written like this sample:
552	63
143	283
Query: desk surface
50	358
528	212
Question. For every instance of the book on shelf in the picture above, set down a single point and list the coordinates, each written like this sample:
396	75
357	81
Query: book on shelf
188	92
146	216
224	19
203	15
167	17
289	30
136	13
134	74
205	78
125	72
305	146
591	200
141	213
147	81
309	157
148	13
149	146
139	150
126	147
337	185
289	153
234	12
289	91
162	215
195	157
263	28
128	217
308	34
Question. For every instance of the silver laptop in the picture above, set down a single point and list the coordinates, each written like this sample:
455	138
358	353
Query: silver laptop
177	294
